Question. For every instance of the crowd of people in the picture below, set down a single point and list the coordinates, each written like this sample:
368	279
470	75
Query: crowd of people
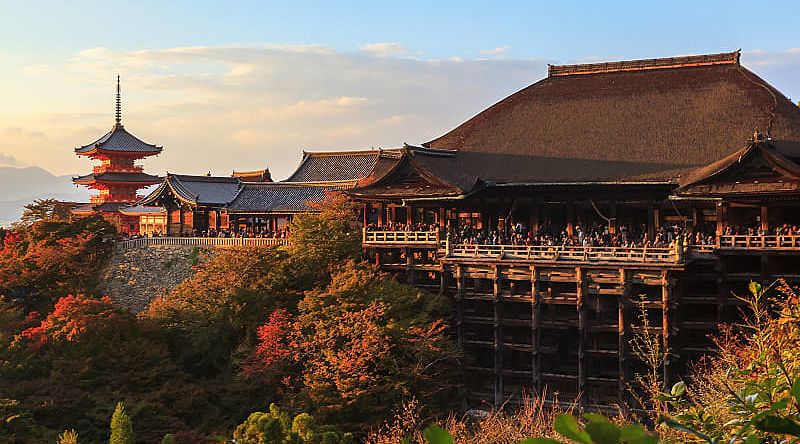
585	235
280	233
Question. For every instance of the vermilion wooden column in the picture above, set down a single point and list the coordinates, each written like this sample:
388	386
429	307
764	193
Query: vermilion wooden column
764	218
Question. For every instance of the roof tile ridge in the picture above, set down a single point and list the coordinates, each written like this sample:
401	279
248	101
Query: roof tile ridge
724	58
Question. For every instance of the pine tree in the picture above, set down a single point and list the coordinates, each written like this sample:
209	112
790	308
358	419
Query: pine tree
121	426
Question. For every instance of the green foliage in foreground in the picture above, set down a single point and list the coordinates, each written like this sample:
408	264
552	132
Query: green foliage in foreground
121	426
277	427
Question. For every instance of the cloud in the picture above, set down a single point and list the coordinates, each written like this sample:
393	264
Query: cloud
37	70
496	51
385	49
6	160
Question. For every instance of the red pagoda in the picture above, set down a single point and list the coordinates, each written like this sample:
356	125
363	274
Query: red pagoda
117	178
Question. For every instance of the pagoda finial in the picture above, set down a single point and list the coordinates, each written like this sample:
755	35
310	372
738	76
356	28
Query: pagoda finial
118	115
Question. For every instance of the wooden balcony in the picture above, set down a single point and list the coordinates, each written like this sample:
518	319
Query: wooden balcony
567	253
748	242
201	242
409	238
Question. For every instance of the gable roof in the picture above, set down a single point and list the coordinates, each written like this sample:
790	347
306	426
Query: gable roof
337	166
761	167
651	120
278	197
196	190
121	141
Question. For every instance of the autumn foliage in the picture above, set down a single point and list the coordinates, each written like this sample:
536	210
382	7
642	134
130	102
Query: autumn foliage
72	318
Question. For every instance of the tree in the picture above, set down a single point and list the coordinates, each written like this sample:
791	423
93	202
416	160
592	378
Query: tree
328	237
366	342
45	210
68	437
121	426
73	317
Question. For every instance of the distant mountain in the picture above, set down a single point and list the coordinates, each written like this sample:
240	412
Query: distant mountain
20	186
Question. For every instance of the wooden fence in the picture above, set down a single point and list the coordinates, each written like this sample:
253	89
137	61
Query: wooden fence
201	242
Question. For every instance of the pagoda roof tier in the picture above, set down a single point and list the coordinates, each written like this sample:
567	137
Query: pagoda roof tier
646	120
119	141
113	177
105	207
280	197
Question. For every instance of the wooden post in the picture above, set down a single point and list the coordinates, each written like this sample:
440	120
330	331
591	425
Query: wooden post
570	218
621	342
535	364
614	225
365	211
651	225
765	219
666	300
459	305
581	294
409	215
381	214
498	340
722	209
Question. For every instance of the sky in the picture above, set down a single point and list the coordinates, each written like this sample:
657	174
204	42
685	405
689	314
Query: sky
248	85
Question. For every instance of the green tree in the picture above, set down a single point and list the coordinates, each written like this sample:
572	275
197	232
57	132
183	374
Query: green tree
169	438
329	237
68	437
121	426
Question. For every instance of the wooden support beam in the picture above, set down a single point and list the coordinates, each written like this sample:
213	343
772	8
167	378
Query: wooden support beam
535	333
622	348
581	294
765	219
498	339
570	218
666	301
459	305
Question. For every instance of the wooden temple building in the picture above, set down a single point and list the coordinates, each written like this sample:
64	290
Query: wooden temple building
598	194
558	216
250	202
117	178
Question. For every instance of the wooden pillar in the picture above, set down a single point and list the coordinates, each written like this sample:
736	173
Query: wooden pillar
666	302
570	218
460	305
409	215
535	333
581	295
765	219
651	224
621	341
722	210
180	220
409	265
381	214
614	225
498	339
534	222
440	218
364	213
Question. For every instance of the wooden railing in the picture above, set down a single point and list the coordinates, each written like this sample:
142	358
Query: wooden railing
760	242
400	237
201	242
567	253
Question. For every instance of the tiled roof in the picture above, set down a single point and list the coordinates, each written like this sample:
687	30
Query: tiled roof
119	140
278	197
117	177
638	120
336	166
197	190
107	207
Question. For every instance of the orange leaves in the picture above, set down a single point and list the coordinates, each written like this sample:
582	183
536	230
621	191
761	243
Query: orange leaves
72	318
274	348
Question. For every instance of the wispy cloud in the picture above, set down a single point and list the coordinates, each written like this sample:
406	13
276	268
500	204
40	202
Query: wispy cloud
6	160
495	51
385	49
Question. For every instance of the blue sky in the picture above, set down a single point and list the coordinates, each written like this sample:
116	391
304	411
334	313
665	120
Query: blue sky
228	85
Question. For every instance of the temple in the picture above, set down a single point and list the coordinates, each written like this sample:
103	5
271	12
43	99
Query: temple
562	215
117	178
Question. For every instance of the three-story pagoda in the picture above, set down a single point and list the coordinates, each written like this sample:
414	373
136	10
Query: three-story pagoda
117	178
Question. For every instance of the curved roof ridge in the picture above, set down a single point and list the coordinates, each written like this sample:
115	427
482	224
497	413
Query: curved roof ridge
725	58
